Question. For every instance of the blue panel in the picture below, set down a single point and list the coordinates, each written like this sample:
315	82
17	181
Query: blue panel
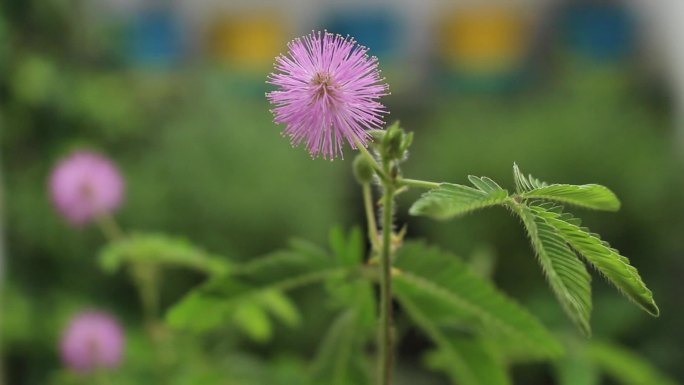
601	31
377	29
155	38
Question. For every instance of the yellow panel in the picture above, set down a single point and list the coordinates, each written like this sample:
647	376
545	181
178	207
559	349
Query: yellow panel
483	38
249	40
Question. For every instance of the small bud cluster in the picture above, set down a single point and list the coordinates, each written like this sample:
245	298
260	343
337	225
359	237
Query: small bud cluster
395	143
391	146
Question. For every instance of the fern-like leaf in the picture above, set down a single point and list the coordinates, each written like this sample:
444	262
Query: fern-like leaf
565	273
613	266
591	196
447	290
451	200
347	247
251	289
160	250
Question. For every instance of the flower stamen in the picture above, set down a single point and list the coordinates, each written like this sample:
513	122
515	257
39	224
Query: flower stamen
328	91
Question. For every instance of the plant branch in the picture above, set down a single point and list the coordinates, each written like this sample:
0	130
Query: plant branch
417	183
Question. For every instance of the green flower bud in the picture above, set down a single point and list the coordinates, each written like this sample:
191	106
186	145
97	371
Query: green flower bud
363	169
393	143
377	135
406	143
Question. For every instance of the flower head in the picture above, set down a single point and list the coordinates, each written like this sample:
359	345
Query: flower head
92	340
328	93
85	184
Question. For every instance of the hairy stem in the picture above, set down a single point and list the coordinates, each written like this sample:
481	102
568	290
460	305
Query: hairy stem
370	216
385	337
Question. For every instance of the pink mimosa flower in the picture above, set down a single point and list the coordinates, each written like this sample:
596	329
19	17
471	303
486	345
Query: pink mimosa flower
92	340
328	93
84	184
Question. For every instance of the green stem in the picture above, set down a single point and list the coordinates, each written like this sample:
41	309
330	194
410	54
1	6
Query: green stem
417	183
109	227
2	266
370	216
385	338
146	279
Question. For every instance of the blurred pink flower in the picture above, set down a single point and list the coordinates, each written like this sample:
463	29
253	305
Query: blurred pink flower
92	340
328	93
84	184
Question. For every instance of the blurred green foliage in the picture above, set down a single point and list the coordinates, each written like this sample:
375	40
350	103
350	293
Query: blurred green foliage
203	160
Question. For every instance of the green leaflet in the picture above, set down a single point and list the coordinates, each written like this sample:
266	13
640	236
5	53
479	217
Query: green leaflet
615	267
341	357
588	361
253	293
466	359
250	312
575	367
349	249
252	316
523	183
565	273
625	366
255	289
447	291
481	362
162	250
337	361
576	371
591	196
450	200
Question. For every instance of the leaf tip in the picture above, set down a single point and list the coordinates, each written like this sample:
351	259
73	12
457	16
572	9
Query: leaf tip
616	205
414	210
652	309
585	328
